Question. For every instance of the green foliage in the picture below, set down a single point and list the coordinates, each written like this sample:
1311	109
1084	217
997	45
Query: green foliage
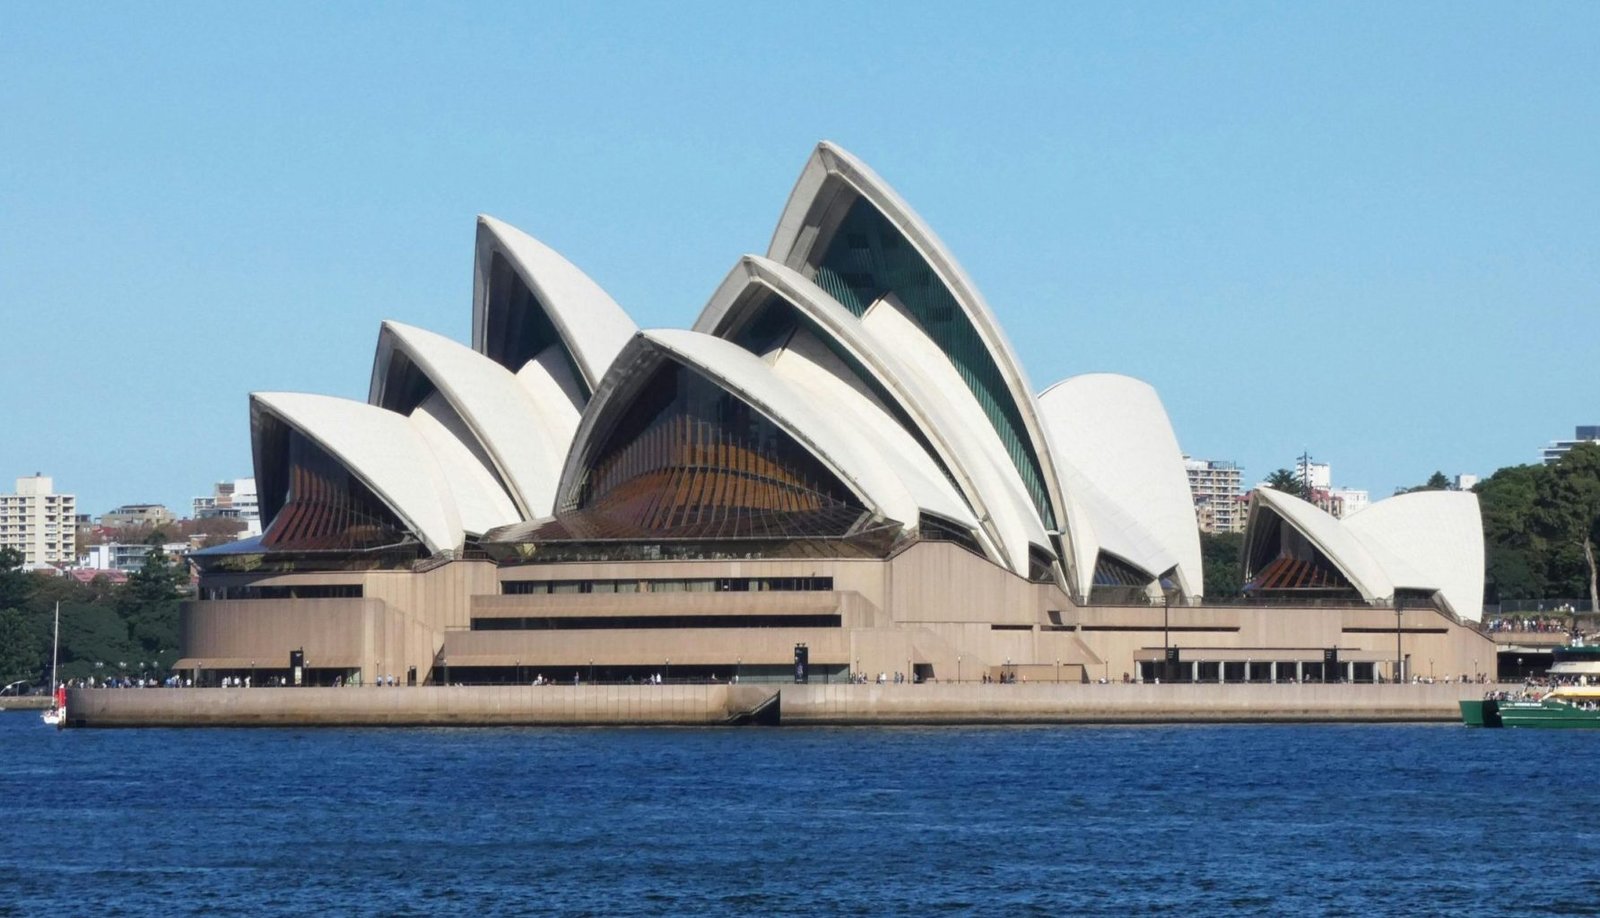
148	603
1220	554
13	579
1285	480
19	648
1436	482
106	630
1540	528
1567	515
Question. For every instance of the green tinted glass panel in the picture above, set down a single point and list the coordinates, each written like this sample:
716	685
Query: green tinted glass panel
868	258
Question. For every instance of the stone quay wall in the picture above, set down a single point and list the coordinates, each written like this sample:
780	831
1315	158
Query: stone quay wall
704	705
473	705
1123	703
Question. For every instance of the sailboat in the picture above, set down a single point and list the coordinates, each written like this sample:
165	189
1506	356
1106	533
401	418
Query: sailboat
58	708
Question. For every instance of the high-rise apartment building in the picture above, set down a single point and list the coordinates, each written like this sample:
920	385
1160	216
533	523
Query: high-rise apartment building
39	523
234	500
1215	487
1551	454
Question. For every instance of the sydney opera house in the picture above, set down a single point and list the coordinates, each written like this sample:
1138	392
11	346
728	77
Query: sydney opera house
842	455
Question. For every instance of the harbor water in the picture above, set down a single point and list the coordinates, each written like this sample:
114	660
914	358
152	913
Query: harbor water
1312	819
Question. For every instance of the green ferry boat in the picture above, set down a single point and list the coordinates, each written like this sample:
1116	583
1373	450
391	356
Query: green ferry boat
1563	707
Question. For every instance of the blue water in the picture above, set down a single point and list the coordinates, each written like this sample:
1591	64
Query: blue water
1183	820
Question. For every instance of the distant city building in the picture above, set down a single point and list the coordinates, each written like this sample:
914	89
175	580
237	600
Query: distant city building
1316	475
130	516
232	500
38	522
1558	448
1219	505
1466	482
125	557
1345	501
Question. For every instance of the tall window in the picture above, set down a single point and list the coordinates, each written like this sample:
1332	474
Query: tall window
868	258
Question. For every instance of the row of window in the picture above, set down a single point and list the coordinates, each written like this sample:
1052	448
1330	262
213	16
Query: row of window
299	591
606	622
696	585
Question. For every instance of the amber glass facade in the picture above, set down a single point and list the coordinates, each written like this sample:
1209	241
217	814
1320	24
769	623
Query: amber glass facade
324	507
689	458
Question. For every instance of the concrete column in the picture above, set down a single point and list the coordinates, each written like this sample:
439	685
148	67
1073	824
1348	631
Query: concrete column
1272	671
1349	671
1299	671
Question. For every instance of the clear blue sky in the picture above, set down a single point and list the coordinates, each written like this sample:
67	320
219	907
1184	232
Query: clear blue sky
1367	231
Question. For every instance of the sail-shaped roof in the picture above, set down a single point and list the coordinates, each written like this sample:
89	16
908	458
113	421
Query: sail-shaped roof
526	298
845	228
1112	441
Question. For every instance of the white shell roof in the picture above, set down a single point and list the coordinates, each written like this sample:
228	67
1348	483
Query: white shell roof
792	242
1425	540
591	324
809	368
525	435
1121	464
957	414
754	273
479	499
1437	535
753	381
385	451
1340	546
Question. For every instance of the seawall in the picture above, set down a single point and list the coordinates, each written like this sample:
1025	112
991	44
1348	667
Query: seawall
704	705
1120	703
476	705
25	702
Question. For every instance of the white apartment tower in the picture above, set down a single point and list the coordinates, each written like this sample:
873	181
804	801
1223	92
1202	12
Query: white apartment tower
1215	487
39	523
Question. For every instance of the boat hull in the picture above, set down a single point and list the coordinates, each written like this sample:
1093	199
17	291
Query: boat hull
1549	716
1481	713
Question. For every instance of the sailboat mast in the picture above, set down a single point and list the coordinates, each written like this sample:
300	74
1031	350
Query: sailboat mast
55	652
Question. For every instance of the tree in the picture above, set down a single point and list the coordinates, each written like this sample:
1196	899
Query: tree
1436	482
15	583
1567	514
1220	554
1288	482
19	649
1514	555
148	603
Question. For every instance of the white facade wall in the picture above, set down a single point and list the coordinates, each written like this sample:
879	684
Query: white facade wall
1552	454
235	500
39	523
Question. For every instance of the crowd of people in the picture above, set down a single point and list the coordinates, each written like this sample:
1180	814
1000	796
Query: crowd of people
1535	624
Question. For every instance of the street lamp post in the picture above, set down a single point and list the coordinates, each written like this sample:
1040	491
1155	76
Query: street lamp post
1058	671
667	675
1399	658
1166	634
591	670
738	668
958	669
